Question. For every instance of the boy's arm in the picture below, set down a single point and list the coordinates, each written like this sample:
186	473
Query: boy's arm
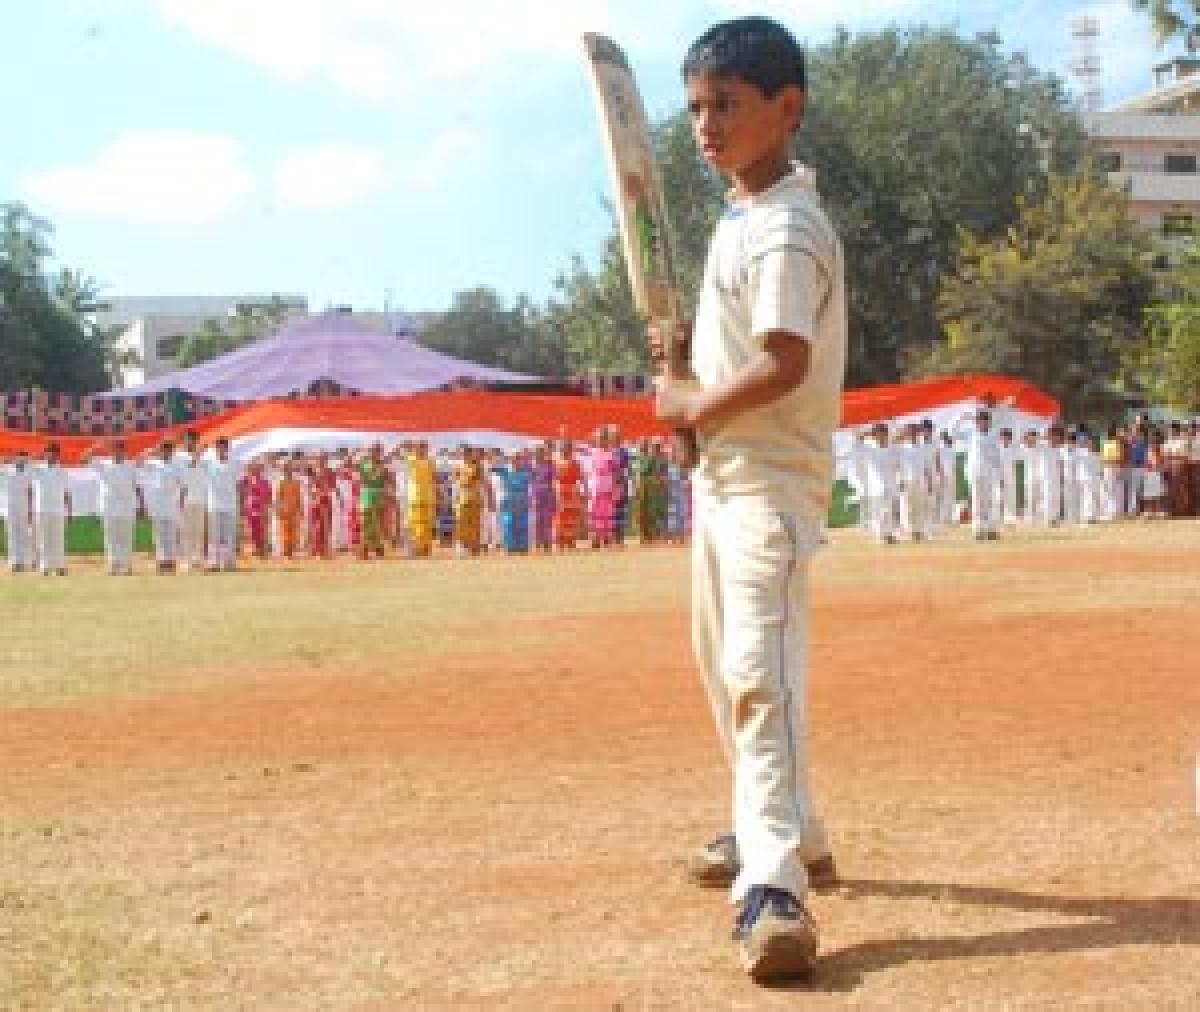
778	368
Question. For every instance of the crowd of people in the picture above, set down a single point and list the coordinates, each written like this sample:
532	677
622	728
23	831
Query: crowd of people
906	479
207	509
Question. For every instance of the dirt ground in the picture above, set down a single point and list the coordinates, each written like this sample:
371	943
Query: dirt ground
1004	742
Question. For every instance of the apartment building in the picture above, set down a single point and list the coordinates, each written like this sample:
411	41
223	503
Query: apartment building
1150	145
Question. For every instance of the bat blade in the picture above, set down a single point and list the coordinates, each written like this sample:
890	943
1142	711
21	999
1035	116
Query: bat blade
639	200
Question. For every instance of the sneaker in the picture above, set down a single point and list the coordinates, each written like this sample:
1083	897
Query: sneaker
717	863
776	936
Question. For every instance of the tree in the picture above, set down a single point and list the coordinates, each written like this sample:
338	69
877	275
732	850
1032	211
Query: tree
1173	20
218	337
914	133
1059	299
47	336
481	327
1165	366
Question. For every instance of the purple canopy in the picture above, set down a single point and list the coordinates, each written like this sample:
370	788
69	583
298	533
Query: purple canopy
331	346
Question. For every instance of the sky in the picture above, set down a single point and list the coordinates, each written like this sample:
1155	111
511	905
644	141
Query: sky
378	153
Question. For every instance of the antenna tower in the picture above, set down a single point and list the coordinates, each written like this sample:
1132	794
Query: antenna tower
1085	67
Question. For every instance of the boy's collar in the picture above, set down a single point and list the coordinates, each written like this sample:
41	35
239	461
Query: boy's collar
801	175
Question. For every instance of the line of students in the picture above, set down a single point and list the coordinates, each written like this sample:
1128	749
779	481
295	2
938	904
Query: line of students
907	484
201	503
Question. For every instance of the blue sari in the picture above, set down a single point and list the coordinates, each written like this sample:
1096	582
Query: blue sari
514	509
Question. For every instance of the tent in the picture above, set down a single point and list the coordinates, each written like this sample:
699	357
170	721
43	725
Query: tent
331	347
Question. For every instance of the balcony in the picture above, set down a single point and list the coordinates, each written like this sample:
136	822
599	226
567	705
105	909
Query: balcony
1157	186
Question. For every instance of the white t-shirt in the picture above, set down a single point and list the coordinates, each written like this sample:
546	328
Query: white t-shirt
193	477
882	470
1088	466
160	486
118	487
983	449
774	264
14	490
221	485
50	491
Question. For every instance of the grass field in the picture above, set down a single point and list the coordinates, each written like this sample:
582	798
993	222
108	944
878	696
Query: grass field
469	784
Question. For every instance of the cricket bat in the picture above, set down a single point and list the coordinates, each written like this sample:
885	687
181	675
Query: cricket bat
640	204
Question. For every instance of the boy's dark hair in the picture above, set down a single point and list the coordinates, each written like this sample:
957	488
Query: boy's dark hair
222	441
756	50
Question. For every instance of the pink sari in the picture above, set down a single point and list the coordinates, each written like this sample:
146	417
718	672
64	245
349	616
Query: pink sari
602	489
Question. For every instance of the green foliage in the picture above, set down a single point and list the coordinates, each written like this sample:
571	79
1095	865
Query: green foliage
47	337
218	337
1059	298
1165	367
1172	19
914	134
482	327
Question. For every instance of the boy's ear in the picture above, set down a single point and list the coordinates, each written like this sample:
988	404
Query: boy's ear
793	102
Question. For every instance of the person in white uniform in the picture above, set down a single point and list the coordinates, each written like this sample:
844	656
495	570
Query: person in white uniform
947	482
16	495
1030	457
1007	497
913	484
222	475
1050	473
119	499
51	511
1089	480
162	493
881	466
768	349
193	480
983	472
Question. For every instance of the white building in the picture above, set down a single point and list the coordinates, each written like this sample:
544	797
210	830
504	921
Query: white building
1150	145
155	327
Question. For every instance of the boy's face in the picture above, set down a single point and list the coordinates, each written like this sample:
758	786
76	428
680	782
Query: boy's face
736	126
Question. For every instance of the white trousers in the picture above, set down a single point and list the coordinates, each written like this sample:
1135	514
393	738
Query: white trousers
51	541
948	500
984	517
749	632
192	534
1114	493
1033	496
19	536
118	542
1051	498
222	539
1091	501
915	510
1072	495
1006	497
1137	478
165	527
881	516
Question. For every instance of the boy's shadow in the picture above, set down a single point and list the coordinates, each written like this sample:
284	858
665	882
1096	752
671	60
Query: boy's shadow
1112	922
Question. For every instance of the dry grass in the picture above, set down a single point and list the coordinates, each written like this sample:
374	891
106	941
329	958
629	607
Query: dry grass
477	798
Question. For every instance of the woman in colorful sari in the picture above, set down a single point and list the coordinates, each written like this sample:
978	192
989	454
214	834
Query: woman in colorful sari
513	508
468	502
604	473
541	499
568	498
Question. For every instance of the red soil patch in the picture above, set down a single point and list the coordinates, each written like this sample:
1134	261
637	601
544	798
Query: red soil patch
997	769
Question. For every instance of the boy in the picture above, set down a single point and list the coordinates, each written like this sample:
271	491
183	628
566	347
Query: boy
16	491
983	473
193	478
1006	494
162	493
221	498
882	479
120	500
768	348
51	510
1051	474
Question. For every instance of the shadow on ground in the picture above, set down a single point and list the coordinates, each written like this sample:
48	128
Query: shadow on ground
1111	922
